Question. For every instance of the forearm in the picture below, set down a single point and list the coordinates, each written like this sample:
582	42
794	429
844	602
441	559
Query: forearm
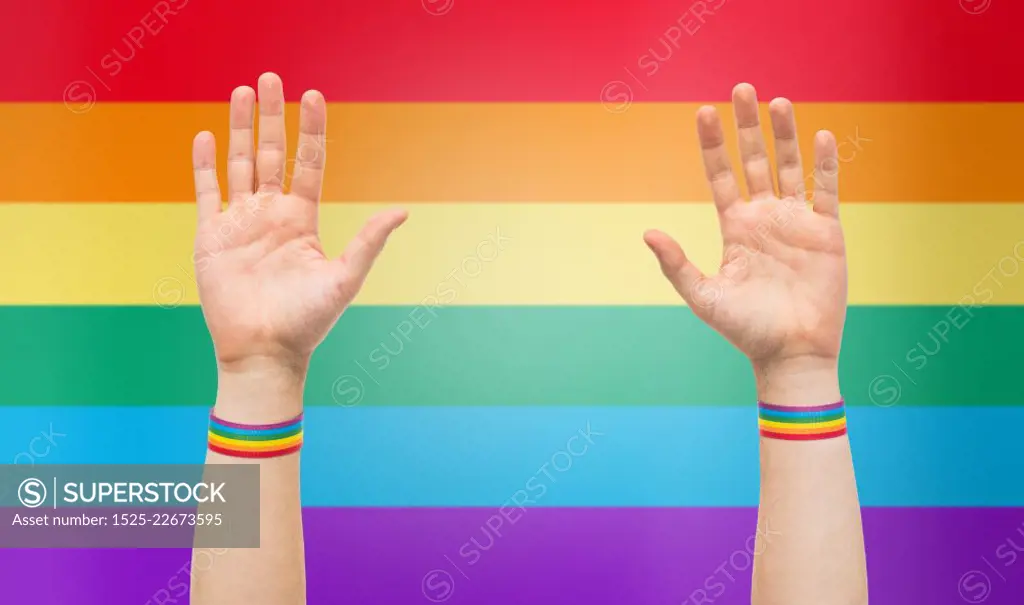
274	573
270	296
810	541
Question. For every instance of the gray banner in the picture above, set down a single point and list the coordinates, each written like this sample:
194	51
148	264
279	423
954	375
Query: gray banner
130	506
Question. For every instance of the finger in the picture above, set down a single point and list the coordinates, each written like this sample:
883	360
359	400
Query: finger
717	164
241	157
826	174
753	153
272	153
688	280
204	168
366	247
307	181
787	149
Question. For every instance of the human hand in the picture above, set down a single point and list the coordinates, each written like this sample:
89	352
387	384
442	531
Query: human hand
268	291
780	293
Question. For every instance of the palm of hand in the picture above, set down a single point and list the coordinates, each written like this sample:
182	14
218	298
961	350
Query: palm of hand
265	284
781	289
266	287
780	292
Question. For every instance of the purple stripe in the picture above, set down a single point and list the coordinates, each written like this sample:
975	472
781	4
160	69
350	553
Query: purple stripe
794	408
598	556
257	427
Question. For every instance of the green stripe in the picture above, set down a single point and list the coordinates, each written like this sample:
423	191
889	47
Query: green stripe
255	437
504	356
826	417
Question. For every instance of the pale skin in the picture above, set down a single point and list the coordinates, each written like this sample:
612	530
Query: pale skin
780	297
270	295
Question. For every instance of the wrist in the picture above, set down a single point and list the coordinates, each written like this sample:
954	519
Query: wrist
798	381
259	390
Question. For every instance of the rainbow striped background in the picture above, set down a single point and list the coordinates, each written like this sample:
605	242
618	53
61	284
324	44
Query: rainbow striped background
533	142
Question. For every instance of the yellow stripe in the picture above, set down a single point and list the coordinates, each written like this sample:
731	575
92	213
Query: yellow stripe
559	254
810	427
255	446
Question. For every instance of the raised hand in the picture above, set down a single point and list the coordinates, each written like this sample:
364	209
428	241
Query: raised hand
267	289
780	292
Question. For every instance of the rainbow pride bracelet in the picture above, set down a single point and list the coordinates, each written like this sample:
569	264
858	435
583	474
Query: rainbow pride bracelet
802	423
255	440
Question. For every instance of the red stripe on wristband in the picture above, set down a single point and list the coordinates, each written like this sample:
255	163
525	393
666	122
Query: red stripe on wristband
803	437
244	454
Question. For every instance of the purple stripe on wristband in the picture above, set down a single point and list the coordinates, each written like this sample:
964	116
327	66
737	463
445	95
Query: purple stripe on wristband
790	408
276	425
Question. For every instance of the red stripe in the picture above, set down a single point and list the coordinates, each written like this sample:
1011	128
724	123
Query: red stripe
805	437
245	454
527	50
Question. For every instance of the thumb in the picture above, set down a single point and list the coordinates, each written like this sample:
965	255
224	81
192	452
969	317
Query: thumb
362	251
698	290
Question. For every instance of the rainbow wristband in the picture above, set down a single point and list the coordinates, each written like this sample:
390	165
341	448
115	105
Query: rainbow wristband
255	440
802	423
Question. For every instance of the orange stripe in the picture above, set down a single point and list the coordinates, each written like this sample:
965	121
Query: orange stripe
412	152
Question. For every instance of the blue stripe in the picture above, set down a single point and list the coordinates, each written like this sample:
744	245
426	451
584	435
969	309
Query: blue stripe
770	415
234	431
481	456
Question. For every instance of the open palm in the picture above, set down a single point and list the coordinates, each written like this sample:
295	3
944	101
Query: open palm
780	293
266	287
